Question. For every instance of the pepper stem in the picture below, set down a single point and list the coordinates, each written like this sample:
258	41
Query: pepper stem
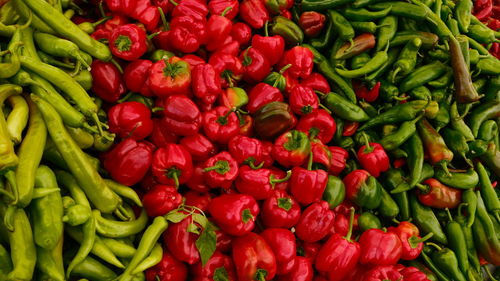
284	68
394	74
351	222
101	21
153	35
368	148
222	120
173	2
449	214
444	166
226	10
414	240
266	29
273	180
325	108
435	246
115	63
221	167
310	161
424	188
260	275
252	165
489	273
163	19
101	9
459	211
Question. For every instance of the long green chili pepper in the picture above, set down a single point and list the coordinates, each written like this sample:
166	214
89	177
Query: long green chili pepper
466	180
488	193
407	59
119	248
5	263
434	144
388	206
151	260
469	238
93	270
342	26
9	69
443	81
463	14
48	59
343	108
17	118
457	143
8	158
488	66
483	112
426	220
469	197
393	179
488	130
387	31
422	75
415	161
397	138
486	241
361	14
403	37
124	191
25	12
458	123
119	229
457	242
365	26
318	5
491	158
392	56
402	9
375	62
59	47
423	93
47	265
428	261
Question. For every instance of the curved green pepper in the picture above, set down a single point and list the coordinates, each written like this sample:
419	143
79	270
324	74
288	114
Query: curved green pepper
467	180
426	220
368	220
287	29
335	191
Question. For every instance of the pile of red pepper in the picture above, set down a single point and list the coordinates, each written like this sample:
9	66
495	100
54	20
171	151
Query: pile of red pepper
488	11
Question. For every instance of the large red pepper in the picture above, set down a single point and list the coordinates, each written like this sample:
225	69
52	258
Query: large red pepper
307	186
317	82
128	42
172	165
253	258
373	158
170	77
321	155
258	183
220	170
362	92
220	124
193	8
206	84
130	120
312	23
379	247
262	94
256	65
301	59
161	199
229	66
217	7
181	116
437	195
338	159
409	235
246	150
199	147
235	214
291	149
413	274
280	210
363	189
272	47
339	255
241	32
315	222
254	13
218	267
168	269
107	82
126	154
302	271
218	29
186	34
180	240
303	100
136	76
318	124
229	46
282	242
197	181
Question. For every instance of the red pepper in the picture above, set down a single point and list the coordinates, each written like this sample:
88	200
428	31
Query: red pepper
193	60
373	158
253	257
181	116
161	199
383	273
280	210
307	186
254	13
233	97
318	124
302	271
172	165
290	82
128	42
170	77
301	59
256	65
206	83
130	119
220	170
339	255
220	124
258	183
180	240
218	29
282	242
338	159
235	214
303	100
168	269
160	136
199	147
278	6
317	82
312	23
197	180
340	225
267	153
409	235
310	250
437	195
141	10
224	241
246	150
262	94
136	76
321	155
350	128
229	66
413	274
379	247
246	126
198	199
126	154
241	32
272	47
315	222
355	275
362	189
186	34
291	148
229	46
217	7
218	267
362	92
193	8
115	21
107	82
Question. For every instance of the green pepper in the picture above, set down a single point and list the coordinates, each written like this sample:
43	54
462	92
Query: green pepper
76	215
467	180
422	93
119	229
326	40
360	60
443	81
287	29
488	66
387	31
319	5
5	263
490	198
477	148
388	207
120	248
397	138
93	270
361	14
469	238
493	89
392	55
481	34
422	75
368	220
439	54
161	54
344	108
492	158
403	37
458	123
401	9
58	47
457	242
446	260
488	130
342	26
335	191
407	59
375	63
84	78
414	148
487	243
483	112
82	138
457	143
426	220
365	26
388	91
50	262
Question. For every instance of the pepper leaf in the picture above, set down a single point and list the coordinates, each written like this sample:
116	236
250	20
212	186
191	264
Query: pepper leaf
220	274
193	228
200	219
176	216
207	242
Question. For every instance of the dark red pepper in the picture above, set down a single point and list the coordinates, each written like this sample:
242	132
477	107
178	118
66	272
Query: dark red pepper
254	13
198	199
196	9
362	92
229	66
220	124
379	247
262	94
218	267
197	181
206	84
350	128
128	42
317	82
258	183
303	100
301	59
302	271
272	47
229	46
161	199
280	210
220	170
318	124
307	186
172	165
217	7
291	148
338	160
312	23
130	119
315	222
107	82
168	269
199	147
241	32
373	158
282	242
383	273
256	65
253	258
136	76
235	214
160	135
180	239
181	115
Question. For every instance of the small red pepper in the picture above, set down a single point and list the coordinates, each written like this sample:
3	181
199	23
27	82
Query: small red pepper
318	124
291	148
197	181
206	84
196	9
218	29
321	155
373	158
317	82
172	165
136	76
186	33
409	235
128	42
141	10
282	242
362	92
180	239
229	46
220	124
107	82
309	250
307	186
218	267
168	269
235	214
198	199
229	66
302	271
262	94
301	59
256	65
312	23
315	222
217	7
437	195
199	147
161	199
233	97
246	150
379	247
160	136
254	259
220	170
181	116
130	119
303	100
258	183
383	273
193	60
272	47
126	154
280	210
413	274
115	21
170	77
338	160
254	13
241	32
350	128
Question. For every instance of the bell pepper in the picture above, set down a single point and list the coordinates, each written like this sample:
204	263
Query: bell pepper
339	157
383	273
256	65
246	150
224	241
339	255
307	186
159	136
315	222
136	76
291	148
217	7
170	77
128	152
233	98
220	124
218	267
229	66
362	92
413	274
141	10
254	13
111	24
107	82
180	239
198	199
287	29
273	119
373	158
302	271
130	120
259	183
199	147
277	79
235	214
229	46
272	47
262	94
362	189
218	29
280	210
197	181
321	155
172	165
301	59
437	195
312	23
412	243
169	269
318	124
193	60
194	8
241	32
161	199
253	258
128	42
206	84
379	247
282	242
186	34
220	170
303	100
181	116
317	82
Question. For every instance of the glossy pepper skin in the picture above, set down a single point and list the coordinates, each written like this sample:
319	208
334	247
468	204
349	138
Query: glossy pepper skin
170	77
291	148
220	170
217	7
302	271
181	116
186	34
172	165
233	97
272	47
246	150
362	189
107	82
220	124
218	29
199	147
193	8
235	214
229	66
259	183
307	186
206	84
437	195
339	157
141	10
130	120
254	13
382	273
318	124
126	154
280	210
181	242
136	76
218	267
197	181
168	269
301	59
256	65
413	274
379	247
409	234
317	82
241	32
282	242
262	94
128	42
312	23
303	100
315	222
161	199
373	158
253	258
